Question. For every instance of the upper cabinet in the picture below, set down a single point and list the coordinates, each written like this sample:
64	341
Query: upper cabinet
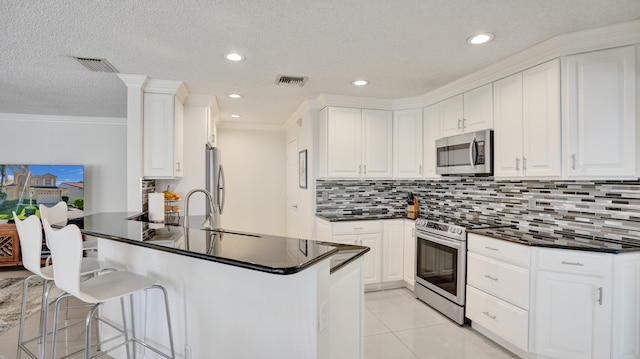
469	112
600	114
527	123
407	143
431	126
355	143
163	136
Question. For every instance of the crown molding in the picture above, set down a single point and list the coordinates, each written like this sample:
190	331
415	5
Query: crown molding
250	126
201	100
133	80
177	88
627	33
305	106
63	119
354	101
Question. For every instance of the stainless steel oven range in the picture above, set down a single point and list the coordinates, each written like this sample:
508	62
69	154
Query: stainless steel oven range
441	264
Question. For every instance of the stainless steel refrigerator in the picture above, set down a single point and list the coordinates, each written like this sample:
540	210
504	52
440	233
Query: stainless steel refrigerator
215	184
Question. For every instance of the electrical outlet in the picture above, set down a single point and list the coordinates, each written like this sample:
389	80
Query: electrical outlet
532	203
324	317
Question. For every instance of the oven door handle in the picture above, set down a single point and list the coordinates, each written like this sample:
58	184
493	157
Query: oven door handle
472	156
445	242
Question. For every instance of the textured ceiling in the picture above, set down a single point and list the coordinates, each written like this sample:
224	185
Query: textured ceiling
405	48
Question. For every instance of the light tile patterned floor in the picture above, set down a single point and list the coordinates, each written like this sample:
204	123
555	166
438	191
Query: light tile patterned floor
399	326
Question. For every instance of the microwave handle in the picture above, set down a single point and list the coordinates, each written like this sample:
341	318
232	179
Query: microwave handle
472	158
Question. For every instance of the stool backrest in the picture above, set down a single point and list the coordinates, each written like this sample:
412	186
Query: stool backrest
59	213
30	233
66	254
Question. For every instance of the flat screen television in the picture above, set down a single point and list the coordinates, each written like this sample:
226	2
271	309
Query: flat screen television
24	187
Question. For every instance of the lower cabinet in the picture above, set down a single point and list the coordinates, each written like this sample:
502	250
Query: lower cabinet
409	249
393	250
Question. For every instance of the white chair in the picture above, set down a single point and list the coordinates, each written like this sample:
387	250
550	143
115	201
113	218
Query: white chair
59	214
30	234
66	252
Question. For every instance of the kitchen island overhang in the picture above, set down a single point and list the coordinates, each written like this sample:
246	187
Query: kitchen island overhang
288	298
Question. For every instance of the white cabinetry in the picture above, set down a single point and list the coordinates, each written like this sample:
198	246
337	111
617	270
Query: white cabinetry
527	123
469	112
409	252
163	136
362	233
498	284
600	113
355	143
431	125
393	250
407	143
572	304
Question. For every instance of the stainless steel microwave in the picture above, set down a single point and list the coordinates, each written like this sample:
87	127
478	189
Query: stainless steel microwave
466	154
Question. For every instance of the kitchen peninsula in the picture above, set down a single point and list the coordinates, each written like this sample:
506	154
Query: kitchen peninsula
240	295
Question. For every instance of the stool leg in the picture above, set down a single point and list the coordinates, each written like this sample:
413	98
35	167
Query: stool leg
87	330
124	329
54	334
25	291
133	327
45	315
166	308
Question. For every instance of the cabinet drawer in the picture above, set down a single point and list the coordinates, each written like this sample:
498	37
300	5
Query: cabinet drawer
505	281
356	227
573	261
509	252
501	318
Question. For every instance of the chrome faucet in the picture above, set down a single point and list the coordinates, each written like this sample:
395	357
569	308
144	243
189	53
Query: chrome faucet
186	204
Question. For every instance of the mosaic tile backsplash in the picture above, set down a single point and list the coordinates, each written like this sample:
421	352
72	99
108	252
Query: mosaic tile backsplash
609	209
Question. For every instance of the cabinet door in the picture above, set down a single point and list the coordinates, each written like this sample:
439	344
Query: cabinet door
159	135
407	144
601	113
431	121
393	250
372	259
478	109
409	252
541	119
178	139
344	142
451	116
507	134
377	131
572	316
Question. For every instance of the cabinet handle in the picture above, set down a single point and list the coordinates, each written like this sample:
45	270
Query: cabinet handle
489	315
178	166
524	163
573	161
492	248
600	295
358	228
420	169
517	163
490	277
464	123
365	170
359	169
294	206
459	124
573	263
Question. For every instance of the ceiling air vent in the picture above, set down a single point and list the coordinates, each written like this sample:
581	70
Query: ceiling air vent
97	65
284	80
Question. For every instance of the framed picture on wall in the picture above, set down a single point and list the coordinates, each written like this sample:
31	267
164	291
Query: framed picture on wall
302	169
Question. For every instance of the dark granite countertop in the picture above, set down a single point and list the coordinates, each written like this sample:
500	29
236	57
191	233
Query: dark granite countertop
565	240
266	253
339	217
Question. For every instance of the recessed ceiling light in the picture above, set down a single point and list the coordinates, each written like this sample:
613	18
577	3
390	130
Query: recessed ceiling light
235	116
234	95
233	56
360	82
479	39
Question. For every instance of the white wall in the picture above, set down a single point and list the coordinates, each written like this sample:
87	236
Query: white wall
255	170
97	143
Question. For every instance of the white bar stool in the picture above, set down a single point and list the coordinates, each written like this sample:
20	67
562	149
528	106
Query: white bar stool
30	233
59	214
66	250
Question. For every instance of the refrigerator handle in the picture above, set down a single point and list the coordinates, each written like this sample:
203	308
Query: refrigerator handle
221	190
